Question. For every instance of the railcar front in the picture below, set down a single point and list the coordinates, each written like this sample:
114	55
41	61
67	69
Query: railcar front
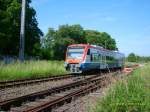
74	57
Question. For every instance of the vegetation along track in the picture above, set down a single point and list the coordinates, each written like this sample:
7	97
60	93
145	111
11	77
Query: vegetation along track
54	96
15	83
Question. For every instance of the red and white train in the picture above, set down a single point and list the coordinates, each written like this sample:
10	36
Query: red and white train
84	57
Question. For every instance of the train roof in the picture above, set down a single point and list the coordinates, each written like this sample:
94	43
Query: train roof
86	45
94	46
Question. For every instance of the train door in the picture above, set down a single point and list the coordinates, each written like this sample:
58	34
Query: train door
88	56
89	59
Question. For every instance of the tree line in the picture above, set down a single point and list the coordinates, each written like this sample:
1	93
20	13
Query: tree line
135	58
51	46
55	42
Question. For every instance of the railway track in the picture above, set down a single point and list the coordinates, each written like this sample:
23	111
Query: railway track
15	83
51	98
67	98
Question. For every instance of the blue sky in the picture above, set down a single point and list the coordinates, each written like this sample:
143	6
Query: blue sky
128	21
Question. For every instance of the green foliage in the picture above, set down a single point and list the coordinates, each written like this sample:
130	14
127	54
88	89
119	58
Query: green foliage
56	41
144	59
135	58
132	57
100	38
129	95
10	12
31	69
74	32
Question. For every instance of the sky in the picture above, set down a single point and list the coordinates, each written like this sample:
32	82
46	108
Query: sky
127	21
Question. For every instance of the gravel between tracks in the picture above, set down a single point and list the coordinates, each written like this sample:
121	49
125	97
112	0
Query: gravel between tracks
31	88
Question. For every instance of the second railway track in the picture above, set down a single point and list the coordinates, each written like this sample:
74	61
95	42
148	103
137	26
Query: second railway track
15	83
51	97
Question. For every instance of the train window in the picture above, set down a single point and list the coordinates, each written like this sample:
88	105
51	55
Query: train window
107	57
91	57
88	53
94	57
99	56
103	58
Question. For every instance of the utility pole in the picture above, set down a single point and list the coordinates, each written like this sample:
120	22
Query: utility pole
22	31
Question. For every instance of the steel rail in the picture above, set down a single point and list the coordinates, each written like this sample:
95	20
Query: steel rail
67	98
13	83
5	105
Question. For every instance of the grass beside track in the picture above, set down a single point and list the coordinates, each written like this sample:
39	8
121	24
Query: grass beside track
31	69
131	94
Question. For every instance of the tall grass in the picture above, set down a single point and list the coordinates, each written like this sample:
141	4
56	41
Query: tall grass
128	95
31	69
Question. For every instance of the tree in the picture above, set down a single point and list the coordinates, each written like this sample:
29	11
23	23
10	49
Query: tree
100	38
60	46
56	41
135	58
132	57
10	12
75	32
47	44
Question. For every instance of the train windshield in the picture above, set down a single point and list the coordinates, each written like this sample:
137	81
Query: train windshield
75	52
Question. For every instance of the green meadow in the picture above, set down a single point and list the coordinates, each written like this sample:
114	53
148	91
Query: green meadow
131	94
31	69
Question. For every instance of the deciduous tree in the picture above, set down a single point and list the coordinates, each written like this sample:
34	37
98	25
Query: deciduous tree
56	41
10	12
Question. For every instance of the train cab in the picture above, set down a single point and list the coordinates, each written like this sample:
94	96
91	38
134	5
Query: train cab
74	58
